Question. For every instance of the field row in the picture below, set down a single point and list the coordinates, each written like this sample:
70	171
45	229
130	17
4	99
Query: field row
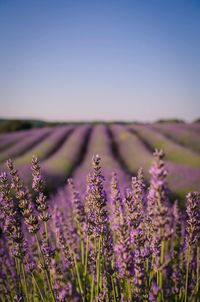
66	151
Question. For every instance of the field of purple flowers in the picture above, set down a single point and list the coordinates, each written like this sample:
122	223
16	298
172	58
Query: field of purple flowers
86	227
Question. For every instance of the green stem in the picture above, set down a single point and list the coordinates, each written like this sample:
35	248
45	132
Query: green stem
35	297
9	293
78	275
98	266
46	230
160	276
85	264
187	272
18	274
47	238
37	286
114	290
46	271
82	252
86	256
92	290
73	273
128	290
25	281
197	284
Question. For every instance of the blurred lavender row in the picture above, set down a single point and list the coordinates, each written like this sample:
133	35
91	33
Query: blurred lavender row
174	151
100	144
134	153
183	134
122	150
9	139
25	143
48	146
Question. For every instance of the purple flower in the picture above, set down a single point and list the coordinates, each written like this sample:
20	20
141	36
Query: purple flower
77	207
24	200
154	291
10	219
116	202
159	216
158	187
96	205
41	199
134	201
193	218
97	219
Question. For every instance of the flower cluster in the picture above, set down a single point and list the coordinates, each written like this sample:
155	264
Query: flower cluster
104	245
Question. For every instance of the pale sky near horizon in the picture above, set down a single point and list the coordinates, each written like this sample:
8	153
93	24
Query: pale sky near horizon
100	60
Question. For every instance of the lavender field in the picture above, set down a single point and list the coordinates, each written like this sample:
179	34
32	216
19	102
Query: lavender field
104	212
66	151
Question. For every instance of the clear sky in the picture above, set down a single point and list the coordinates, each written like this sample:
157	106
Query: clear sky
121	60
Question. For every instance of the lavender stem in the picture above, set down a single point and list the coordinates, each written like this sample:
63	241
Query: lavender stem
187	272
46	271
38	288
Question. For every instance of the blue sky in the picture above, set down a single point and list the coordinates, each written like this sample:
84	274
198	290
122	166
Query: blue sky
121	60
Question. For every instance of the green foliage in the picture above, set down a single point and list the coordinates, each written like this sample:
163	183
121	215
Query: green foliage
14	125
172	120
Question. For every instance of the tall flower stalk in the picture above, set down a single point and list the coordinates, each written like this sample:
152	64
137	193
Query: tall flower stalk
27	210
159	215
192	235
98	226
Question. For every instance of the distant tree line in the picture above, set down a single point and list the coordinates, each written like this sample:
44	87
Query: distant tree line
10	125
17	125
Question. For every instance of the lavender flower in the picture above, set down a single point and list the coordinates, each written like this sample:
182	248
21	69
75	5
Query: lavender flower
158	192
47	251
122	247
193	218
157	200
116	202
77	207
64	290
61	240
139	275
134	201
11	224
177	252
41	200
96	207
24	200
97	219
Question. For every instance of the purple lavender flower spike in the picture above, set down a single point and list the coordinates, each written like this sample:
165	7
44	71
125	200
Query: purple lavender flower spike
160	220
37	185
116	202
96	205
134	200
193	218
158	192
24	200
61	240
122	247
177	252
77	207
97	219
11	224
